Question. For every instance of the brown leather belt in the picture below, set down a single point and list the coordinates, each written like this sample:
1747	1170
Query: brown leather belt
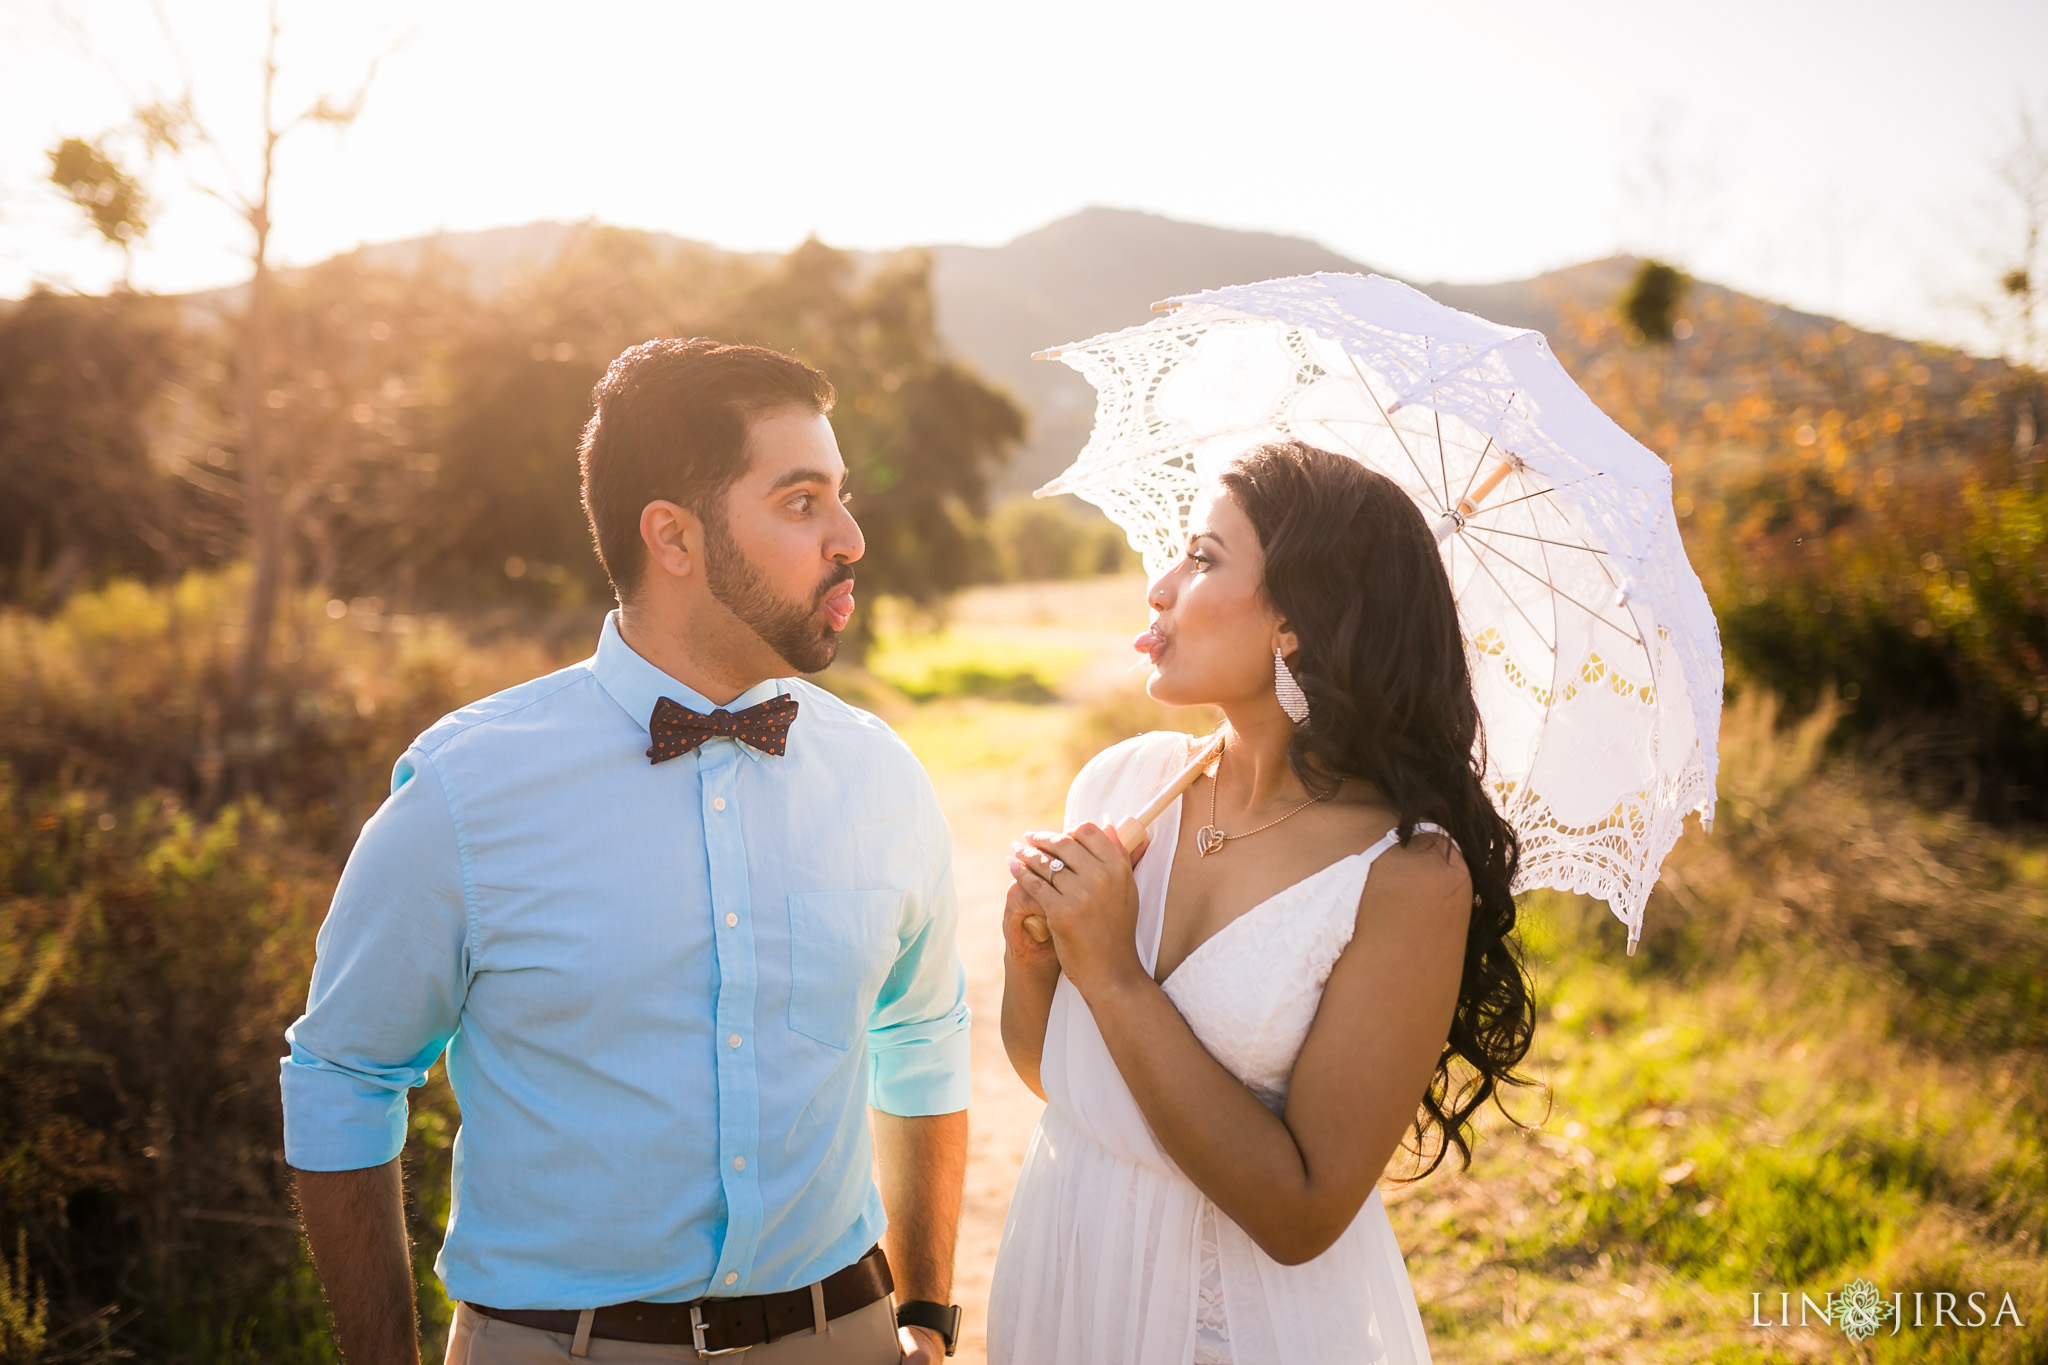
715	1325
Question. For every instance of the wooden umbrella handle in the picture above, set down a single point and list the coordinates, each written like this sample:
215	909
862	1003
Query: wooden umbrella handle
1132	831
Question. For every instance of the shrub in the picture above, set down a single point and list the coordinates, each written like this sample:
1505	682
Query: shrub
1834	1031
1870	519
1830	859
126	691
1115	715
149	963
1037	540
162	875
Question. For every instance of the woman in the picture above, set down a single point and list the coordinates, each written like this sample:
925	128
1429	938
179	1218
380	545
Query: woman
1233	1037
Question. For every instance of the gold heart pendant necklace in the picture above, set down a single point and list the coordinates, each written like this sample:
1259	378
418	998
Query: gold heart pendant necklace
1209	839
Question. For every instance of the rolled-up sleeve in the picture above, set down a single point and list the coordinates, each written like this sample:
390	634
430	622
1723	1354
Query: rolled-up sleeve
918	1033
389	976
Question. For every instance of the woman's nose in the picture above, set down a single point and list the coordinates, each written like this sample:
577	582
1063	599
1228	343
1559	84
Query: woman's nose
1159	593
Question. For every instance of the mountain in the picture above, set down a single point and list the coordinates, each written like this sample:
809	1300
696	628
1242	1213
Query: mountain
1101	270
1097	271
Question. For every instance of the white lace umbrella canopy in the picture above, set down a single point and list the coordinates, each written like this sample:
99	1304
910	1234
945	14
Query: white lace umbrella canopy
1595	657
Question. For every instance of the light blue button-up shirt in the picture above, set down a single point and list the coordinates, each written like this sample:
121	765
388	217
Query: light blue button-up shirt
667	992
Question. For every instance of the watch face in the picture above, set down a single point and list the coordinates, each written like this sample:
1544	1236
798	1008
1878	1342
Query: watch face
941	1318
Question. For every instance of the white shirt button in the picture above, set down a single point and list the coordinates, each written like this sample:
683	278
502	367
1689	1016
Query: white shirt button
732	921
733	1041
739	1163
732	1277
718	803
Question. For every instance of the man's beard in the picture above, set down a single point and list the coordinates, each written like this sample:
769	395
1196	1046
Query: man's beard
789	628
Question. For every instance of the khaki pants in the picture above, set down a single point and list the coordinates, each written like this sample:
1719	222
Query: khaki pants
866	1336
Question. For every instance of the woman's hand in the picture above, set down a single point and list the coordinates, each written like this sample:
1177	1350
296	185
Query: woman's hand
1023	951
1090	902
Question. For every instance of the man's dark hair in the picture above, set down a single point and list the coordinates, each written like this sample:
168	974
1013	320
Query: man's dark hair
670	422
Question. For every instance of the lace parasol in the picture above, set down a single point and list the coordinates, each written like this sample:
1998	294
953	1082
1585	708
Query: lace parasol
1595	656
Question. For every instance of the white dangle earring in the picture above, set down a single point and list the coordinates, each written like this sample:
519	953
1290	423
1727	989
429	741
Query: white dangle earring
1288	692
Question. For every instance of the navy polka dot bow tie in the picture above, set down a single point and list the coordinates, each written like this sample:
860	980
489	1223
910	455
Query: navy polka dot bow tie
676	729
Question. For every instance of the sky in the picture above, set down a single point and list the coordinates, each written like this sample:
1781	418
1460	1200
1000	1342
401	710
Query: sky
1835	156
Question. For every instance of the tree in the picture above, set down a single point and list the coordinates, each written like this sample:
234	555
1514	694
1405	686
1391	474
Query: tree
2021	175
1650	306
921	434
505	512
2015	308
111	197
357	402
79	378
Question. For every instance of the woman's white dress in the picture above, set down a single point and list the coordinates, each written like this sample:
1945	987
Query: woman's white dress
1110	1256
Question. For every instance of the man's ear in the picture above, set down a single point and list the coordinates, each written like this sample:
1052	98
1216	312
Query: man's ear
674	538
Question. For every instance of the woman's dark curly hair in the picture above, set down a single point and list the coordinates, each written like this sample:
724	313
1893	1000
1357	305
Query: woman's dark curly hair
1353	569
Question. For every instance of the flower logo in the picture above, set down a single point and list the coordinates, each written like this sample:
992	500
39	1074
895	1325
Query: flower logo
1859	1310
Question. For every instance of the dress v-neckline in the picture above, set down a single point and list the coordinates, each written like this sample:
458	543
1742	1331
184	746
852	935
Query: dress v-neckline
1166	887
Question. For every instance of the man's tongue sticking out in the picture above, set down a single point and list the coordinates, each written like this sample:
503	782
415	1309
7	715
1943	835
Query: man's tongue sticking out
839	606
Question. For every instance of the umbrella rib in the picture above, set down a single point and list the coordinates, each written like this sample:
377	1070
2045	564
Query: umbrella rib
1442	467
1472	476
1601	559
1510	559
1363	384
1500	506
1542	549
1551	645
1473	473
1355	451
1334	420
1520	535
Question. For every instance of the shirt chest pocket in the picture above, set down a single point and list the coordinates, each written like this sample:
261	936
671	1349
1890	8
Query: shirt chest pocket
841	947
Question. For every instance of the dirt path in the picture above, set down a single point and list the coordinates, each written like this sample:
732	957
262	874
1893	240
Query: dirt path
1004	1112
1011	776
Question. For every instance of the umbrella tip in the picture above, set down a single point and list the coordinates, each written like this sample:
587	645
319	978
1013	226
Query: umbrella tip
1050	353
1166	305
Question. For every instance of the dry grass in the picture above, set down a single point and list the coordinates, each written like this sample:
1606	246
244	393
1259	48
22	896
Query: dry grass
1822	1063
1826	1060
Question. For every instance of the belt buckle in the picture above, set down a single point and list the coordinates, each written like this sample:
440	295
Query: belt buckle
697	1337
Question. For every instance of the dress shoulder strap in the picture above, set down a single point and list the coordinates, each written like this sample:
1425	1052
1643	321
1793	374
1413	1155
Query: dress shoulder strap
1393	836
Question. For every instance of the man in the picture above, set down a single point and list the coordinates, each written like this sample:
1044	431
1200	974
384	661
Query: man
679	921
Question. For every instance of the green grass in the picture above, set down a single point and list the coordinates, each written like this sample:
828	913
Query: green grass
1829	1058
993	738
1754	1131
972	663
1765	1101
1762	1102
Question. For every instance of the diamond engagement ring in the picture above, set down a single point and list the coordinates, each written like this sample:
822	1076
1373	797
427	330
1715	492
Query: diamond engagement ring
1056	866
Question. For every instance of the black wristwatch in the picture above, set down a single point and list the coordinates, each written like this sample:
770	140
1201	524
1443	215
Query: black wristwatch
943	1318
